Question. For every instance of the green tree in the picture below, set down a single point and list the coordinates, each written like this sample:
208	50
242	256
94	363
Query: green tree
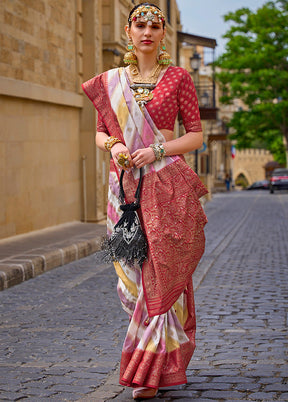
254	68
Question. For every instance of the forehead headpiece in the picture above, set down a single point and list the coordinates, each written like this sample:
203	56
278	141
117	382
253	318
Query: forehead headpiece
148	13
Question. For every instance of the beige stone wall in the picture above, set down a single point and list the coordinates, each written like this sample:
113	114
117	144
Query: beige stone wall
38	42
47	132
250	163
40	170
171	27
95	197
40	104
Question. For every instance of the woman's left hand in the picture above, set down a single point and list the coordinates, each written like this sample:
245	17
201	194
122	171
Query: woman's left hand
143	156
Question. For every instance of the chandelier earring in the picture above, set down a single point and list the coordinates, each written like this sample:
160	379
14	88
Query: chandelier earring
164	57
130	57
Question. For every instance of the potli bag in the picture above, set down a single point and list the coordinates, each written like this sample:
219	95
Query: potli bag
127	241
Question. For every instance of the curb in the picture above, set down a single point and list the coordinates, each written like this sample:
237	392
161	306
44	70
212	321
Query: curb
31	261
27	266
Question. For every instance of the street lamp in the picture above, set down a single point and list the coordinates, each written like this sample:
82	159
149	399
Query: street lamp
195	61
204	99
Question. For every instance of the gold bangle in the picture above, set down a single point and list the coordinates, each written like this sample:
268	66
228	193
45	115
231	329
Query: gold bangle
108	144
159	151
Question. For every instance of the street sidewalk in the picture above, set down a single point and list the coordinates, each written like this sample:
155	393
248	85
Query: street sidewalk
25	256
62	333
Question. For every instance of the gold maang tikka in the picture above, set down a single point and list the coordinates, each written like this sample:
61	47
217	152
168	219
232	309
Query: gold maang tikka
148	13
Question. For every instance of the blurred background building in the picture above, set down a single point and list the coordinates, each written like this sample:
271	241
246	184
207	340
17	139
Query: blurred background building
51	171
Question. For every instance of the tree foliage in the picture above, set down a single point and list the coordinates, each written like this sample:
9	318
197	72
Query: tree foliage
254	68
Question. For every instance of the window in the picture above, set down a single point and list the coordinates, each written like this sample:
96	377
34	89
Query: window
168	12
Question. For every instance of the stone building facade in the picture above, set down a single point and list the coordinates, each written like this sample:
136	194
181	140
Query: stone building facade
250	163
51	171
40	74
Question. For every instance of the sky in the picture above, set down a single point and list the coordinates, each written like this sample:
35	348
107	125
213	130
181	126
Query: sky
205	17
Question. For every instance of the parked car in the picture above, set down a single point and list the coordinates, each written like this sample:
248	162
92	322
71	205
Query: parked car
259	185
279	180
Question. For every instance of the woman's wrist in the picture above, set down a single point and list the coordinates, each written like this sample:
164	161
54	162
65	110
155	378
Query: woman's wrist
159	151
110	142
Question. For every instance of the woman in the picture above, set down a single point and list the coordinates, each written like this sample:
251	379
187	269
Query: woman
137	108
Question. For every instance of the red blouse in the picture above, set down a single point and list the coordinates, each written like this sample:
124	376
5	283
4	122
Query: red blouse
174	93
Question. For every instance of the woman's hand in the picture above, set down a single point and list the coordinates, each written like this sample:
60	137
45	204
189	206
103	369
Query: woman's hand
120	148
143	156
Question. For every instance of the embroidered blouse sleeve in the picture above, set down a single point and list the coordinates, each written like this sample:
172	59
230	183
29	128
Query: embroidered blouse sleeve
188	104
101	127
91	89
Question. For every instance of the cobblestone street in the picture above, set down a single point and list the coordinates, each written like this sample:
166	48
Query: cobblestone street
62	332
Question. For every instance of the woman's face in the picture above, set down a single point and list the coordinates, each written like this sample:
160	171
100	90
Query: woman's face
146	36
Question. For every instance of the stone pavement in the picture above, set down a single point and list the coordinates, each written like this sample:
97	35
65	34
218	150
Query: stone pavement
62	332
26	256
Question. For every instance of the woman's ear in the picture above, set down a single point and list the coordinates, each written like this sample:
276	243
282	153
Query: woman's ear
127	30
164	33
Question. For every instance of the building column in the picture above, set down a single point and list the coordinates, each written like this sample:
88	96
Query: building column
93	161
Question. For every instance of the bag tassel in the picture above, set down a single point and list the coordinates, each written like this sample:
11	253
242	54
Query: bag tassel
127	242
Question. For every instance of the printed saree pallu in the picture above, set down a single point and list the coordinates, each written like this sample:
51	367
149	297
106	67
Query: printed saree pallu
159	298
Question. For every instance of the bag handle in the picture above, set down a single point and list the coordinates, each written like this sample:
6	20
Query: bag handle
137	193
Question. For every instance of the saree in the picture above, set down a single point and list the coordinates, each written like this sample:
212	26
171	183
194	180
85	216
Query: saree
159	295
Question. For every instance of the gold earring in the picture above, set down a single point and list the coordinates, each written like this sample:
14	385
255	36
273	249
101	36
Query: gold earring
164	57
130	56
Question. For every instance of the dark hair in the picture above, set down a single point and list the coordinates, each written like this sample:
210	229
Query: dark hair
142	4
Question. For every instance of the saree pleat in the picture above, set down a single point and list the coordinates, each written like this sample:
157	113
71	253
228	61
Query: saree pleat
156	350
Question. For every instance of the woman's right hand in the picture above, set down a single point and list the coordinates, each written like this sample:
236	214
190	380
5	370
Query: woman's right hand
120	148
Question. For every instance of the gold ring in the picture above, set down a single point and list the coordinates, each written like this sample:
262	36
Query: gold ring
123	160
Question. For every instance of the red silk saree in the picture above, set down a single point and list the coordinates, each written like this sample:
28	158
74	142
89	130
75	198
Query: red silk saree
159	298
